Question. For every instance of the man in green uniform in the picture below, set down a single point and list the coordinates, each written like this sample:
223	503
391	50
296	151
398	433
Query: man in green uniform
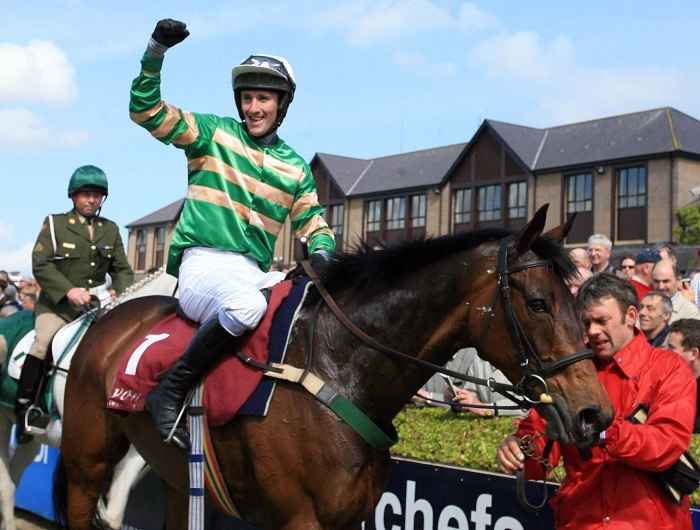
72	255
244	182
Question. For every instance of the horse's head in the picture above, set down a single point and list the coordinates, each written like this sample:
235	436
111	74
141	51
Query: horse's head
540	344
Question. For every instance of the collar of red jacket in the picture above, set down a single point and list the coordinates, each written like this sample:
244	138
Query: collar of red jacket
632	359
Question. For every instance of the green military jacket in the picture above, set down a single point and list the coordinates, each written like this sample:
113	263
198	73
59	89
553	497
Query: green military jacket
77	260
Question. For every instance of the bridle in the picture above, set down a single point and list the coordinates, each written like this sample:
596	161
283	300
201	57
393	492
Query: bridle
525	350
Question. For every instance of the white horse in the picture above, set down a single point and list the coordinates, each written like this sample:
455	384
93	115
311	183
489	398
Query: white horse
13	464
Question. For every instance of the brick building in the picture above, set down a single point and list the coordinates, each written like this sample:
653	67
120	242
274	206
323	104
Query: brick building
624	176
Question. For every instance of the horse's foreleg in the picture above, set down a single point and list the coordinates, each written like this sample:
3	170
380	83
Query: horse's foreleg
126	473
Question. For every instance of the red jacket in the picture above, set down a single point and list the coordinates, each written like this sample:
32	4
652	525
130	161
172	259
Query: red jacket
613	490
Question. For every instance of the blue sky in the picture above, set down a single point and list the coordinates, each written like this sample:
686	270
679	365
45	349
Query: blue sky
374	78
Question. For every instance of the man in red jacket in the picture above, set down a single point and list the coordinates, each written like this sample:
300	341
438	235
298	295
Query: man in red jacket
616	487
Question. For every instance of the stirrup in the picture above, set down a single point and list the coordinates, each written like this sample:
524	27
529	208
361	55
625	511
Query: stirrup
171	438
39	421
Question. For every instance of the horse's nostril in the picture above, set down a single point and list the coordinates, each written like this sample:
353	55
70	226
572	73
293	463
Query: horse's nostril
590	422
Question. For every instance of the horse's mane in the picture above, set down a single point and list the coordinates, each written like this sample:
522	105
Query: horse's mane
365	265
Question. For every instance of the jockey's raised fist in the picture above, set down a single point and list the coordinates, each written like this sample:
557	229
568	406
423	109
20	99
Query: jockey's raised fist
170	32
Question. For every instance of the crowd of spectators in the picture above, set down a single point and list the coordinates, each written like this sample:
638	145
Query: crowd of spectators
16	293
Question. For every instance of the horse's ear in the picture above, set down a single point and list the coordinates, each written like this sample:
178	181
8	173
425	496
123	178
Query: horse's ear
560	232
532	230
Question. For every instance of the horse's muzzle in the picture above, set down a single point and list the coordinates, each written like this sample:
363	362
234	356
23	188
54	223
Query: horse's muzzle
588	424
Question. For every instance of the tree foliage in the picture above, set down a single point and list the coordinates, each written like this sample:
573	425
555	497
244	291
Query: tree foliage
688	230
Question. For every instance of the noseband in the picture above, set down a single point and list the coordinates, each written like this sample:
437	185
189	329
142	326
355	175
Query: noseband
526	352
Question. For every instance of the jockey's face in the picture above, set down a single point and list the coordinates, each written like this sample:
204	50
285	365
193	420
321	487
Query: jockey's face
260	110
87	201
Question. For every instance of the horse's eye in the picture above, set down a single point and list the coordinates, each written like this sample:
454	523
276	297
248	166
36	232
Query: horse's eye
538	305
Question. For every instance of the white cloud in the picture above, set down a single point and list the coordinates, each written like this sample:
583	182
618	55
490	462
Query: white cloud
472	18
419	64
523	55
564	90
365	22
23	128
17	259
594	93
37	72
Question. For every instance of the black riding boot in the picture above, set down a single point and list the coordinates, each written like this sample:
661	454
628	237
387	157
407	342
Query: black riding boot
164	403
27	389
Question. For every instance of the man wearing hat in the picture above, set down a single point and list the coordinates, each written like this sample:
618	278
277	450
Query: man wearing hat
244	182
641	281
73	253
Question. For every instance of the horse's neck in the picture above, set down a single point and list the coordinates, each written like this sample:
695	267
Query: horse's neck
404	318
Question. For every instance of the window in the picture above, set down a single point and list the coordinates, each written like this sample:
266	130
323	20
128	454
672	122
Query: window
517	200
337	212
159	247
490	203
140	250
396	213
631	186
418	211
374	216
579	194
631	203
462	206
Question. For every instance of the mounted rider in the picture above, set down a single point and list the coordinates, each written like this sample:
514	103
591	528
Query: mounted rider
73	253
243	183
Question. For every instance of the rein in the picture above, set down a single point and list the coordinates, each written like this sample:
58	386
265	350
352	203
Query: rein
524	347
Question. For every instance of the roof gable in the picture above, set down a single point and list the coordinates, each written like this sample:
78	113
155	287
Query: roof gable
639	134
167	214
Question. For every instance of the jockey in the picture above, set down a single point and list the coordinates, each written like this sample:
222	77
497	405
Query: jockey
72	255
243	183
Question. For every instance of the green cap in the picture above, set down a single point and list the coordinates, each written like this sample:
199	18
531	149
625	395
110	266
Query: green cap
88	177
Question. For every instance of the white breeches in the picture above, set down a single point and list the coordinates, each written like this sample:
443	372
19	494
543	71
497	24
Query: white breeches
226	284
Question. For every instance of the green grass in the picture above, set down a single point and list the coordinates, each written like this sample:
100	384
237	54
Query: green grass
439	435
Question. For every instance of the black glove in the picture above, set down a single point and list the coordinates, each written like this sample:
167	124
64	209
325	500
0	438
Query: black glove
170	32
320	260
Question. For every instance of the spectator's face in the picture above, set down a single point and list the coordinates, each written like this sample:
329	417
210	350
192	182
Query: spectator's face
576	282
598	254
608	328
627	268
651	315
674	342
664	279
665	254
580	257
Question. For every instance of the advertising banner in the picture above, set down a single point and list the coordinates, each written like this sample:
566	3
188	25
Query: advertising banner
419	496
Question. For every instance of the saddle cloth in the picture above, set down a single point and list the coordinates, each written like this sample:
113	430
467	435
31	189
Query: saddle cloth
232	386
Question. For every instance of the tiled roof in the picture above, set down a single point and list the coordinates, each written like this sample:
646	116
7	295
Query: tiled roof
639	134
167	214
424	168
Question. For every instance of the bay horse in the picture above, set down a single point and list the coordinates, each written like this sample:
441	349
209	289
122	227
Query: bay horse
300	467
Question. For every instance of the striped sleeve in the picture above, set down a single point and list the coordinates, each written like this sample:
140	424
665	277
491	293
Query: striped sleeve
307	216
164	121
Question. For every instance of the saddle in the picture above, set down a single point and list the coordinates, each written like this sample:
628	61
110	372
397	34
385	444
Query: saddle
61	349
235	386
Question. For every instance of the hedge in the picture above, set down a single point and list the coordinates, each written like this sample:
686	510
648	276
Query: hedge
436	434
